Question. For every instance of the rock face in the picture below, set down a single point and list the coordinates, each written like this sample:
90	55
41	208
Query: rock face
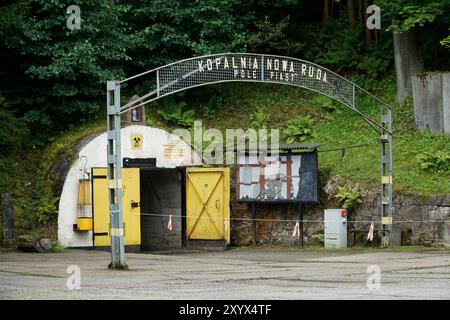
422	221
30	244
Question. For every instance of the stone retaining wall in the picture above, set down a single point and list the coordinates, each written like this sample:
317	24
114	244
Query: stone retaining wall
416	218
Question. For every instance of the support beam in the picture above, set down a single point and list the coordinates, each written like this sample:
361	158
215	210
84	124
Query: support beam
254	223
301	212
114	160
386	176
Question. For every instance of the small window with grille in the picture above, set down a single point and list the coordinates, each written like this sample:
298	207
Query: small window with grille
136	115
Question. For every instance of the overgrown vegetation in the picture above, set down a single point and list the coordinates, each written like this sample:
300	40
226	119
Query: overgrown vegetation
438	162
53	82
299	129
260	119
176	113
348	197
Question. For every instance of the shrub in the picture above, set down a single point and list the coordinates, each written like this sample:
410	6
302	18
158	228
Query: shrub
348	197
172	111
47	210
299	129
325	103
438	162
207	111
320	237
260	119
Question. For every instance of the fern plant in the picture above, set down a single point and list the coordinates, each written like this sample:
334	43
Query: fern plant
172	111
348	197
438	162
47	210
299	129
325	103
260	119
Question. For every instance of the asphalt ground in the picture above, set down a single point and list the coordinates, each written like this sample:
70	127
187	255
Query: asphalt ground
240	273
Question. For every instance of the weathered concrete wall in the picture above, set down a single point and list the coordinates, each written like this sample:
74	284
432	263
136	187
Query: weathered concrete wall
160	195
431	93
446	100
417	217
408	61
422	221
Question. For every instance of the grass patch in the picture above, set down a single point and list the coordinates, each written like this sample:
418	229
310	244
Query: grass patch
58	248
335	127
66	142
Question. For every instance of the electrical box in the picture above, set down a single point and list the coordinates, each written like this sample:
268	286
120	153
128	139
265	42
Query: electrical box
335	221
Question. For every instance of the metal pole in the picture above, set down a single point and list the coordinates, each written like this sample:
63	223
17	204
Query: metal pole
386	178
114	160
301	213
254	223
390	190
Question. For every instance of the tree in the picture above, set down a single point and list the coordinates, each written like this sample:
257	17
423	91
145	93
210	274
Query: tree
351	14
326	10
168	30
67	69
271	38
13	131
407	16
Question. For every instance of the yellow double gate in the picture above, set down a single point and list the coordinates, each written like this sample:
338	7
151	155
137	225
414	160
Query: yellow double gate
207	205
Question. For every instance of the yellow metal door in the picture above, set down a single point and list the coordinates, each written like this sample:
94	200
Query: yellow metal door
100	207
131	208
131	195
208	203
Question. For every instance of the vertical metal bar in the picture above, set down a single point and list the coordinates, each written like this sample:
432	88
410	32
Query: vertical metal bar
389	171
157	83
254	223
386	174
115	176
383	174
120	250
353	97
262	68
301	213
110	122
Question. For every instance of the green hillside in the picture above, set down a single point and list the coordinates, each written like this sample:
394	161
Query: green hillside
52	91
335	126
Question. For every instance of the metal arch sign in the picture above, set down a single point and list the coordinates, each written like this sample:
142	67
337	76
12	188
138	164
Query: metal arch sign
252	68
228	67
247	67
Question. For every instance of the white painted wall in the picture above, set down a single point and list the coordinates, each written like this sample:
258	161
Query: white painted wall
155	141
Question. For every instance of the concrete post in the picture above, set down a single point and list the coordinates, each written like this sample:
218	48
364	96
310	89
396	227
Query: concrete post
431	93
8	219
408	61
